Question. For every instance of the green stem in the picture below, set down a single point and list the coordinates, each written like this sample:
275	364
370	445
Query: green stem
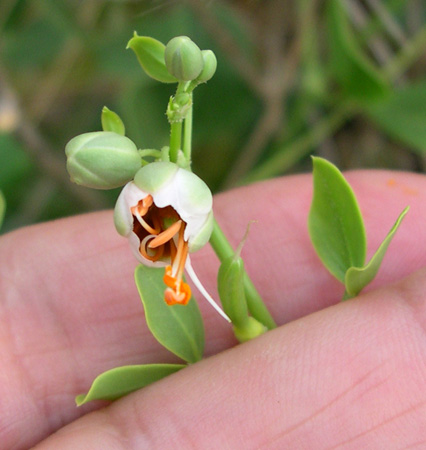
187	134
257	308
175	140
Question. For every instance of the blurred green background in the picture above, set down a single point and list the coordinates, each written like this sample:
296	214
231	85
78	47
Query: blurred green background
342	79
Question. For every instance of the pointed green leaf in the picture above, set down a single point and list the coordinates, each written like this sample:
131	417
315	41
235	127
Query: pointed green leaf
335	222
355	73
2	208
111	121
118	382
179	328
403	115
150	54
357	278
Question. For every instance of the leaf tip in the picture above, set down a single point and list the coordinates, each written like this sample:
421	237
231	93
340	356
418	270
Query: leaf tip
80	399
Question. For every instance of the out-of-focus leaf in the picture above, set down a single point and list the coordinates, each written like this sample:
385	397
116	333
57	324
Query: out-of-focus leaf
118	382
179	328
335	222
2	207
358	277
355	73
150	54
402	115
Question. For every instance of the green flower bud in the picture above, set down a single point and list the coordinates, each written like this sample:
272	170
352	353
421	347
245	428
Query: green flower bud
210	65
183	58
102	160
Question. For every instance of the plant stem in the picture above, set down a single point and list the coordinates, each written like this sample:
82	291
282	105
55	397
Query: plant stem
187	134
257	308
175	140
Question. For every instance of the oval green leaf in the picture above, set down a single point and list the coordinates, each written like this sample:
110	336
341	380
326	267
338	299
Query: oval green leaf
355	73
2	208
357	278
118	382
179	328
335	222
150	54
111	121
402	115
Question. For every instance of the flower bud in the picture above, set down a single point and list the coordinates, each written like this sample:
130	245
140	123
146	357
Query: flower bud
102	160
210	65
183	58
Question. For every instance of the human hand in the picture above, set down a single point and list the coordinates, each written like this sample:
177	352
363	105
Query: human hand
348	375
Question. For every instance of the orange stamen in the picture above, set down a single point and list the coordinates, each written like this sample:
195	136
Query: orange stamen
156	253
135	211
180	295
166	235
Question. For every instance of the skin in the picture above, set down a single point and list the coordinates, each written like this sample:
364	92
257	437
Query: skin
332	375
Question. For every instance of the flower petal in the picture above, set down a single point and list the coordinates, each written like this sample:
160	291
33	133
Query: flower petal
123	218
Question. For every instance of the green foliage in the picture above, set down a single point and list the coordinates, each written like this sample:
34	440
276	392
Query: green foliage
64	60
357	278
179	328
150	54
337	232
335	222
402	115
120	381
2	207
356	75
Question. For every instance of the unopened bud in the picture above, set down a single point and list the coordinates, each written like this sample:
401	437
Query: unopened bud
183	58
210	65
102	160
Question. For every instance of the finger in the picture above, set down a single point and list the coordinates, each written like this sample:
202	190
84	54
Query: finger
349	376
71	311
278	253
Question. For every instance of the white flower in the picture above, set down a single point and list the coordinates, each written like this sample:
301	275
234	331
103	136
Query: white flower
166	213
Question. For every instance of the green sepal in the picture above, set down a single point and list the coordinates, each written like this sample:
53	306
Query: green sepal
355	73
2	208
111	121
120	381
150	54
357	278
179	328
335	223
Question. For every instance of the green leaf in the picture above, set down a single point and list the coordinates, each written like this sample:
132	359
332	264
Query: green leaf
358	77
357	278
150	54
179	328
403	115
118	382
335	222
2	208
111	121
